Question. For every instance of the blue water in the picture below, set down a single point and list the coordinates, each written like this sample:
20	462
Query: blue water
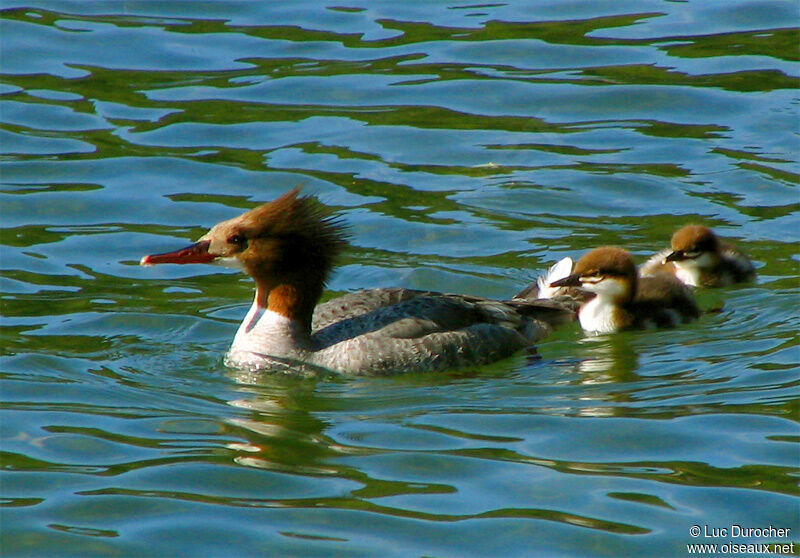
468	146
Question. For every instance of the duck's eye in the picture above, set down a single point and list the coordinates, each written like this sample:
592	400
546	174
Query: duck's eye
237	239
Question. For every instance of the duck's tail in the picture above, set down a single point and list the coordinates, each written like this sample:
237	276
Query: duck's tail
541	287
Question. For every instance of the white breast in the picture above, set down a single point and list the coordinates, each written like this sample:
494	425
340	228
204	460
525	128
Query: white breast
688	272
598	316
265	332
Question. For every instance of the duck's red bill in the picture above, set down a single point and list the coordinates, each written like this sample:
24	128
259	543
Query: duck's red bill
195	253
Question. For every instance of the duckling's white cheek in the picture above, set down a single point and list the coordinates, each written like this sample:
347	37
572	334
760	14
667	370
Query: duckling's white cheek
591	287
609	287
706	260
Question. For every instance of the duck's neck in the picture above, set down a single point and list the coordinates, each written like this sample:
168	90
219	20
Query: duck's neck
278	323
291	300
280	315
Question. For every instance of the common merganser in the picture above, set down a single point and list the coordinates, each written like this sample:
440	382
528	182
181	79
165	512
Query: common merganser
288	246
699	258
623	299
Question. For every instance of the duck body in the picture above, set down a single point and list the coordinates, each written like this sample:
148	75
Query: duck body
288	247
386	331
658	302
623	299
698	258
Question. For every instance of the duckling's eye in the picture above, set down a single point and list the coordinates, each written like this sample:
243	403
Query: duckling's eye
594	277
691	254
237	239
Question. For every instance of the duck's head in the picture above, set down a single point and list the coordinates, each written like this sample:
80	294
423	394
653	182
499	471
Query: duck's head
607	271
694	246
289	241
